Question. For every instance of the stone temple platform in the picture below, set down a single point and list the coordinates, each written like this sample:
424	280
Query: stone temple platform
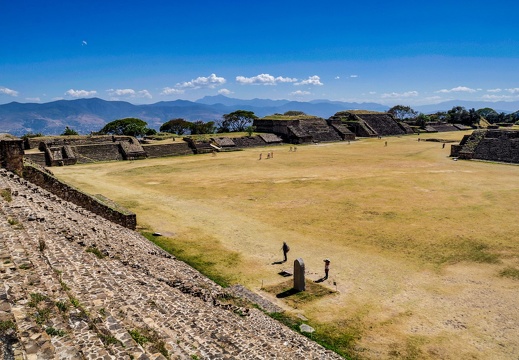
76	286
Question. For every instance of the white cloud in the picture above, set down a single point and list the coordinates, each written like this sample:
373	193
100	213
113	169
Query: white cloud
494	90
406	94
354	76
121	92
300	93
264	79
312	80
372	92
171	91
83	43
457	89
129	93
337	77
144	93
513	90
80	93
7	91
210	82
496	97
224	92
34	99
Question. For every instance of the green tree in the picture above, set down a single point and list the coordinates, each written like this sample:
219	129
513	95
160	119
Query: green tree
68	131
438	116
175	126
514	117
422	120
250	129
489	114
294	113
128	127
402	112
460	115
30	134
236	121
200	127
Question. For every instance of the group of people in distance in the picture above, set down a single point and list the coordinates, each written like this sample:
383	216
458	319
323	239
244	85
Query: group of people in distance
270	155
286	249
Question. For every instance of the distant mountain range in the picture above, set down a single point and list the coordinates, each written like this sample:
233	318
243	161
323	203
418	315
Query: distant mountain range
87	115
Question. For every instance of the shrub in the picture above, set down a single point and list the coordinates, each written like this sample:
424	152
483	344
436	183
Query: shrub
510	272
54	332
6	195
138	337
95	251
62	306
6	325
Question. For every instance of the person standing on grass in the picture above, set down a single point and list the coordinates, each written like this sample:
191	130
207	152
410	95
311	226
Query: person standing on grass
285	249
326	268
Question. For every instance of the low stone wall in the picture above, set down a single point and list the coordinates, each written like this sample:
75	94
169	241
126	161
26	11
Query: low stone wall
98	152
249	141
162	150
34	143
68	193
38	158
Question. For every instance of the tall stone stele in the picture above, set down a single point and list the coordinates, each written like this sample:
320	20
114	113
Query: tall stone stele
299	275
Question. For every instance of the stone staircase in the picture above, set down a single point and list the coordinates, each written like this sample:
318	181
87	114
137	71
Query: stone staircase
383	124
76	286
320	130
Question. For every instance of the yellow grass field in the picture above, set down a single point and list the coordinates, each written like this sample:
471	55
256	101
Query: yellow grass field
419	244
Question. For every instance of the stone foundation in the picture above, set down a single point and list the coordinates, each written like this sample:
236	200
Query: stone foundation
490	145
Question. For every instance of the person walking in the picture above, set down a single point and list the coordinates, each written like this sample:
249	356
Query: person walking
326	268
285	249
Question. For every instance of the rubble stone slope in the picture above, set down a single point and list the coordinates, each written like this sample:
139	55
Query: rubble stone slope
76	286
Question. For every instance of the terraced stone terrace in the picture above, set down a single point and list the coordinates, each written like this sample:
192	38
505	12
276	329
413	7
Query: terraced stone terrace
76	286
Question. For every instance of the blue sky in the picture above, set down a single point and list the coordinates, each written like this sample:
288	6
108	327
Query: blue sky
397	52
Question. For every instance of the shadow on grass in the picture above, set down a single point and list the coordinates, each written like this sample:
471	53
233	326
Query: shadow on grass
284	273
295	298
287	293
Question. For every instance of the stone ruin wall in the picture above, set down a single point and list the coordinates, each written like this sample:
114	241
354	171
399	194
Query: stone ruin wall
305	130
34	143
68	193
11	155
278	127
383	124
98	152
37	158
500	145
163	150
489	145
